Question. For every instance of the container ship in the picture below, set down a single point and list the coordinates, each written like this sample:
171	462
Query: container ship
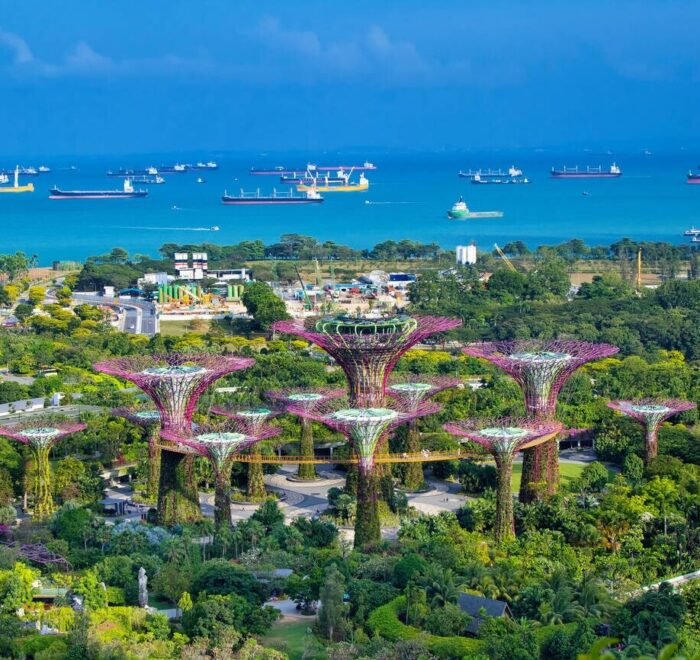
127	192
589	173
255	198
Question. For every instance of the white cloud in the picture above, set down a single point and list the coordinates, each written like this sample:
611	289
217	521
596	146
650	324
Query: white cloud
84	58
18	47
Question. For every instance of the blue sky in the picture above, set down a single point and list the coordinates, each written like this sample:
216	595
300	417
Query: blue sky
86	77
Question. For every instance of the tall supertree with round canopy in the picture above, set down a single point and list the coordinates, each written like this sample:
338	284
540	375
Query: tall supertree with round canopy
220	446
367	348
412	391
503	439
307	398
40	435
541	368
651	413
364	428
174	382
150	421
252	420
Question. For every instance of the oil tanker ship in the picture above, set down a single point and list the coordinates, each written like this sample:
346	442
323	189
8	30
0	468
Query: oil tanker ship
255	198
589	173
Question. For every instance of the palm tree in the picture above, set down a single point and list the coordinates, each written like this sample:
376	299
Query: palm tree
592	597
440	586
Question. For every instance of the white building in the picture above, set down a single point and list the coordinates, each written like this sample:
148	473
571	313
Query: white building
466	254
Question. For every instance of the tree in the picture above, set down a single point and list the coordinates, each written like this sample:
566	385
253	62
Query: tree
447	621
184	604
269	514
36	295
219	577
507	640
263	305
633	469
23	311
92	590
333	612
663	494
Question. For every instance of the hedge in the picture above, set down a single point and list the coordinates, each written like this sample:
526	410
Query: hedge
385	621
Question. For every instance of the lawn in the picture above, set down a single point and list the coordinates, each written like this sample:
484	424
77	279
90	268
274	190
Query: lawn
179	328
567	471
290	637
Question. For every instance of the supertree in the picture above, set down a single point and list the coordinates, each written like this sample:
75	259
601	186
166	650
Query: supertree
540	368
412	392
150	421
220	446
174	382
651	413
307	398
503	438
367	348
252	421
40	435
364	428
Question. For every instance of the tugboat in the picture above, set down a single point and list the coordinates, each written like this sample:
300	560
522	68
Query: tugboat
460	211
589	173
128	192
255	198
16	188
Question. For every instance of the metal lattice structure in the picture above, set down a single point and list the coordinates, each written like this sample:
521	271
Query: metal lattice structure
308	398
174	381
251	419
540	368
142	417
651	413
40	435
413	390
367	348
503	438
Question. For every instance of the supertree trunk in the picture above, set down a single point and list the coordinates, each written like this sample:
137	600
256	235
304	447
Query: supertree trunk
504	526
651	446
307	471
367	529
222	497
153	463
256	484
178	499
533	480
43	500
413	477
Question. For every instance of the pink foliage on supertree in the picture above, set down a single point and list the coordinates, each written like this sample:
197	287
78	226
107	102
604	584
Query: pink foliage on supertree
39	432
412	390
367	348
651	413
540	367
141	416
250	418
174	381
220	443
308	397
505	435
364	427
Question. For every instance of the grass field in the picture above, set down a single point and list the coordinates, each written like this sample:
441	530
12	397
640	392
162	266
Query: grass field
567	471
179	328
290	637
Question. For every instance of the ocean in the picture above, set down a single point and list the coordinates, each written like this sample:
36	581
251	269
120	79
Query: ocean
408	198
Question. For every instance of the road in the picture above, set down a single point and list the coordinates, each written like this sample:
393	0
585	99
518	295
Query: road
139	316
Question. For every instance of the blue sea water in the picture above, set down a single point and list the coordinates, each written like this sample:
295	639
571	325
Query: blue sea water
408	198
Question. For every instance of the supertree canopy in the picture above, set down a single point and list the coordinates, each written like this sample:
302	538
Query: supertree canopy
651	413
540	368
308	398
364	428
149	420
252	420
367	348
220	446
174	382
40	435
503	438
412	391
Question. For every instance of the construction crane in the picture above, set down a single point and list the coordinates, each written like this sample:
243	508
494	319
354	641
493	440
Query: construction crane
502	254
307	301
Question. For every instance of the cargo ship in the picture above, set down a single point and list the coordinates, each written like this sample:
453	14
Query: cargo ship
209	165
460	211
477	179
694	178
512	173
16	188
255	198
309	178
345	186
589	173
126	173
127	192
280	170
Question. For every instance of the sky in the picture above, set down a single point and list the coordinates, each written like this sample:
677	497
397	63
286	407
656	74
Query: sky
82	77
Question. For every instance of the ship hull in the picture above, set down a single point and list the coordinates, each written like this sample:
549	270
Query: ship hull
358	188
18	189
267	201
694	179
501	182
96	194
585	175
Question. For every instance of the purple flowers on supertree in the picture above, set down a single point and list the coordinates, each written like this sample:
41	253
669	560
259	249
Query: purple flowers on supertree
651	413
367	348
41	435
174	381
412	390
251	419
540	367
303	396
